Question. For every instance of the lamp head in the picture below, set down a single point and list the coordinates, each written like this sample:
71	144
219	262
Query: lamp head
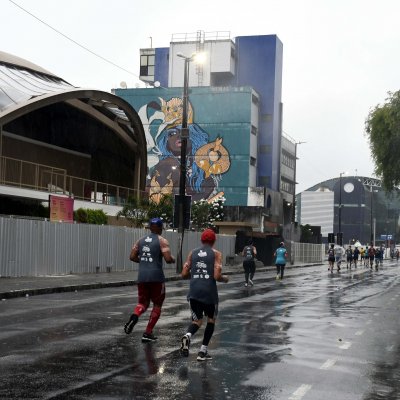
198	58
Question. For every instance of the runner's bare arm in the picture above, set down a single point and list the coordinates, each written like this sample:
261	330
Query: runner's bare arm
218	268
166	251
185	274
254	250
134	256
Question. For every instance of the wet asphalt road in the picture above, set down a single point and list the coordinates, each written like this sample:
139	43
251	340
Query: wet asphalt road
313	336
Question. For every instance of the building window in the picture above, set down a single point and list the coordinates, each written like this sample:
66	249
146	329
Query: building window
288	161
147	65
253	161
287	186
254	130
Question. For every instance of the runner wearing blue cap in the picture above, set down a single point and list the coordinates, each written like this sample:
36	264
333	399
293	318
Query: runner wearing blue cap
149	252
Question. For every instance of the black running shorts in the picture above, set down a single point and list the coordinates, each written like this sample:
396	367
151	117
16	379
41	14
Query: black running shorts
198	309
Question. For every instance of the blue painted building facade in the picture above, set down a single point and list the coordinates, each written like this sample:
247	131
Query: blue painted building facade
235	117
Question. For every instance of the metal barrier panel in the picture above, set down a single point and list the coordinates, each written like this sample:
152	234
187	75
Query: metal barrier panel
34	247
307	252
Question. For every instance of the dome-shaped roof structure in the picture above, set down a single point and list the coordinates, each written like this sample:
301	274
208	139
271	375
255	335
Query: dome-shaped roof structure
33	99
10	59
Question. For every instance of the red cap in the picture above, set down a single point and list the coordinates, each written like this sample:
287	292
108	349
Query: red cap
208	236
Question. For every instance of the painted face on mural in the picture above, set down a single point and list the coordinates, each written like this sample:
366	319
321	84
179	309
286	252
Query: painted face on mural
174	142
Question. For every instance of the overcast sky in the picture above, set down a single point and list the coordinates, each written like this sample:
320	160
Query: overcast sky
340	58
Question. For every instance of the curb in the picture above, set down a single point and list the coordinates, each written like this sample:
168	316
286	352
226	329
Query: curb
101	285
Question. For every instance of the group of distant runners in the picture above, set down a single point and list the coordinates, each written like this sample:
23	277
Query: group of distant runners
367	256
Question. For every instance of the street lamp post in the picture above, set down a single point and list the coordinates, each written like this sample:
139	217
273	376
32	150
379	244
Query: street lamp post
182	175
183	167
371	219
184	138
293	216
340	209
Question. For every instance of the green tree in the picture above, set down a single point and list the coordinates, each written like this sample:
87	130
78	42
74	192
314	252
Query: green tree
163	209
383	130
97	217
81	216
139	211
205	214
87	216
134	211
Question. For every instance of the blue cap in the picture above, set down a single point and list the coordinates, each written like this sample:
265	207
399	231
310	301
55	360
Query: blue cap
156	221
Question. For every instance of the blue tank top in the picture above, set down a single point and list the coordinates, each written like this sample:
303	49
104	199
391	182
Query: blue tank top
280	256
150	260
203	286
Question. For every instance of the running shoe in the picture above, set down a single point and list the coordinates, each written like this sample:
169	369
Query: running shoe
245	284
277	277
251	282
185	344
203	356
130	324
148	337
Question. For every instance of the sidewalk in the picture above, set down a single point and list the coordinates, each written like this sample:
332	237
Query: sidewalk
31	286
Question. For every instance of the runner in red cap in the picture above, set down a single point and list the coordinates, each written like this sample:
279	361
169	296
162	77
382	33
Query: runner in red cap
203	266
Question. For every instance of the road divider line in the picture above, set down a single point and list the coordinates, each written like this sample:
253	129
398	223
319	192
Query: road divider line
328	364
345	346
300	392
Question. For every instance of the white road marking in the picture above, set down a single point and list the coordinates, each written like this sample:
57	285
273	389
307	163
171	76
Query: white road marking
300	392
359	333
328	364
339	324
345	345
390	348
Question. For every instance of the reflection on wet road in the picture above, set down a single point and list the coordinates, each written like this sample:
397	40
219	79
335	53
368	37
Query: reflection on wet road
312	336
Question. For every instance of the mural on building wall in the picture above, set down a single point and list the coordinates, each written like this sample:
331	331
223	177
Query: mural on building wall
206	161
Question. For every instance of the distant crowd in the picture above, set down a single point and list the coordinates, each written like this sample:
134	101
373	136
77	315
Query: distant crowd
367	257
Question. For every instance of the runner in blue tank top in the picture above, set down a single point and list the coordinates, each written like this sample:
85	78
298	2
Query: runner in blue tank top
281	256
203	267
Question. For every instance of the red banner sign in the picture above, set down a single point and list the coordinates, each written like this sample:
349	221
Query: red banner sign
61	209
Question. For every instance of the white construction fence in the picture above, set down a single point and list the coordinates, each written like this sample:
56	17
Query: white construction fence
37	248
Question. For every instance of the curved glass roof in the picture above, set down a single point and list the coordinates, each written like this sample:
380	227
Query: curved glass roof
25	87
18	85
21	81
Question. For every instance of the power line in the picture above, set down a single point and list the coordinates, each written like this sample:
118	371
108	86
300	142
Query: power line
72	40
